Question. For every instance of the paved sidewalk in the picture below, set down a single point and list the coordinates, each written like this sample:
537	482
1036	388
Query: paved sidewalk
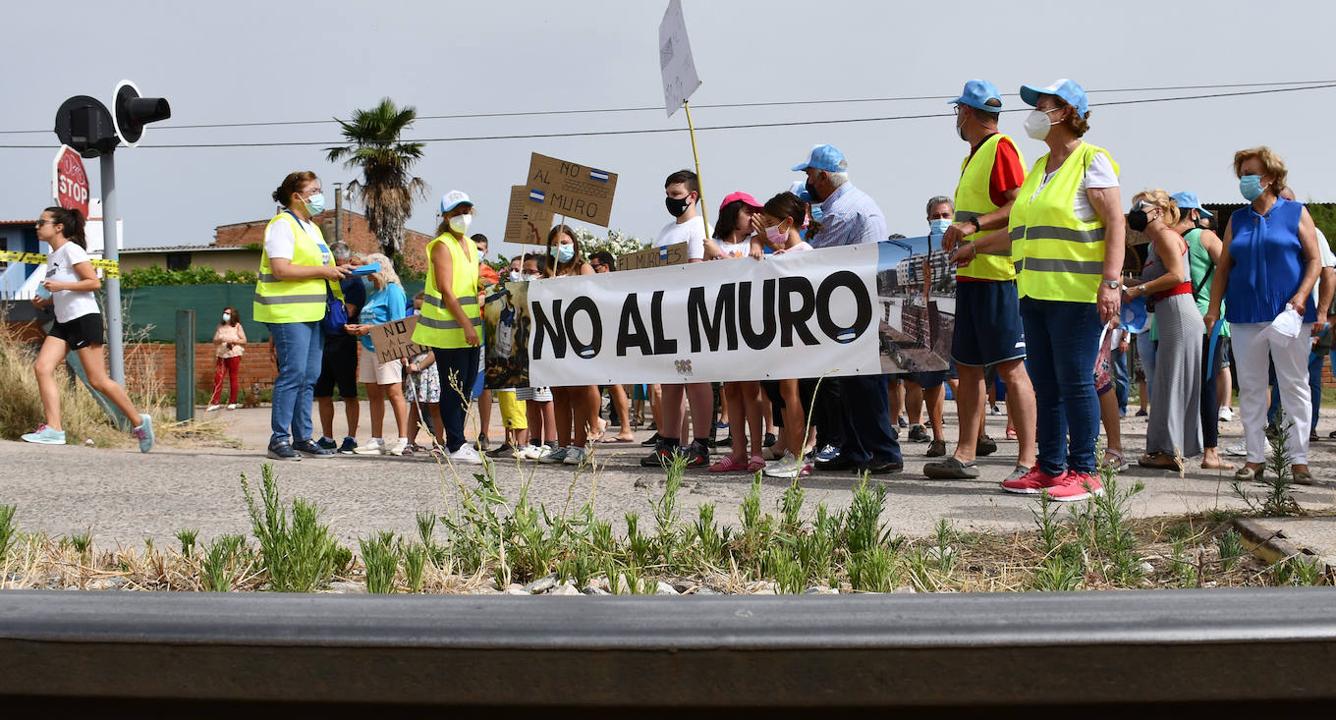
124	497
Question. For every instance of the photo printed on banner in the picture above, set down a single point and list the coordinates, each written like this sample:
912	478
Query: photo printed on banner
916	289
506	320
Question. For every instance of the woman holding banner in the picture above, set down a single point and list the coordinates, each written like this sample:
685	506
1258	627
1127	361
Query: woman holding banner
576	407
451	323
387	302
779	224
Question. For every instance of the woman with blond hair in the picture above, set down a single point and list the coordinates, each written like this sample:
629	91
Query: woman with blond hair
1268	266
385	303
1174	431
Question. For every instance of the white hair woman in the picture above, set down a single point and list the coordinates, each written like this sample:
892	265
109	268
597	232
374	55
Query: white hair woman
385	303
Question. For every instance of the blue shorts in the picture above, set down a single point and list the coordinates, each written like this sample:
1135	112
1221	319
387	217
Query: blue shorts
929	380
988	324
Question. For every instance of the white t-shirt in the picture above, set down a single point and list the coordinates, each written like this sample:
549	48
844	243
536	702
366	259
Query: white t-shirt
692	232
70	304
735	250
279	241
1100	174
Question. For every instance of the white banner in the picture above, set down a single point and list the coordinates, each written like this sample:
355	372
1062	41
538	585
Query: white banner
794	315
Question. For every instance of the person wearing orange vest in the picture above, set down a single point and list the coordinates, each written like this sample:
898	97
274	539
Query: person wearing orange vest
988	333
450	323
1068	237
291	299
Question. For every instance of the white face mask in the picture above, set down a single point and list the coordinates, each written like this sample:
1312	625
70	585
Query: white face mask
460	223
516	276
227	317
1037	124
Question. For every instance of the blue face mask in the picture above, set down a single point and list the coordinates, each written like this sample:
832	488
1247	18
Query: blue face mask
315	204
1250	186
565	253
937	228
817	214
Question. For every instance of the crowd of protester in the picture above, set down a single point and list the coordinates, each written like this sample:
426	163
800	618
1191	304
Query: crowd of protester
1048	320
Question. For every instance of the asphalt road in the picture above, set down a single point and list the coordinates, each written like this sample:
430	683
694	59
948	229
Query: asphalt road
124	497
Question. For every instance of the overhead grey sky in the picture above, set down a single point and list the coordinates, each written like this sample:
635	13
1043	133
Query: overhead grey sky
250	61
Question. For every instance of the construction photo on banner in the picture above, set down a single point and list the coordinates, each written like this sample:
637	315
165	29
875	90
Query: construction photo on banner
505	317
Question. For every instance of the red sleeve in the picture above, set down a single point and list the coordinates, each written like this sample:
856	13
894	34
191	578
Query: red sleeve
1007	172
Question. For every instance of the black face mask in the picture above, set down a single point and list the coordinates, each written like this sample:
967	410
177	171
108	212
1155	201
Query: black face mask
1137	220
811	192
677	206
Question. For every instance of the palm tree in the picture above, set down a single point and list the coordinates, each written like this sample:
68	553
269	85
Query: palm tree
387	187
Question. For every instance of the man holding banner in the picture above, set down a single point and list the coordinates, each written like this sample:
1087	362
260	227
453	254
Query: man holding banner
681	196
988	331
851	217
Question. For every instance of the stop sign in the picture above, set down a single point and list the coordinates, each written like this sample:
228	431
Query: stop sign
69	182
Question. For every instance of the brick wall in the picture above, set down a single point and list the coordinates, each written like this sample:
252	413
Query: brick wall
155	363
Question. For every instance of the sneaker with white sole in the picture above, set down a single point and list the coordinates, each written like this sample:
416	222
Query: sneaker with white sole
466	455
144	432
556	457
575	456
398	448
375	446
231	406
1237	450
1073	487
44	435
786	467
1226	414
212	408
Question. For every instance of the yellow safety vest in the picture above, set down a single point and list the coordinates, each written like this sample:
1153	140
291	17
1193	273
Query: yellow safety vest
973	201
287	301
1058	256
436	326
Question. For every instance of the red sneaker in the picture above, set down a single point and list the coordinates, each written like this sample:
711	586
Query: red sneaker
1031	483
1074	486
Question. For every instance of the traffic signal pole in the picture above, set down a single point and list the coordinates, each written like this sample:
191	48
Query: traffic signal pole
111	250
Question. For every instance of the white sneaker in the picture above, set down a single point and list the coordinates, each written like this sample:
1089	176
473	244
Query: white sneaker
231	406
397	448
1237	450
374	446
537	452
211	408
466	455
1226	415
786	467
575	456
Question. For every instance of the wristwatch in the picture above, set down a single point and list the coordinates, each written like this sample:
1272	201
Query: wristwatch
977	226
1112	284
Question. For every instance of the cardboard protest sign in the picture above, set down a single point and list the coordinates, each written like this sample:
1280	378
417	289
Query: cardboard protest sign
505	316
577	191
529	218
394	339
675	63
654	257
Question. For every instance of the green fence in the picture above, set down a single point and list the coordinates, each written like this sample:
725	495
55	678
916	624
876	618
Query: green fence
153	309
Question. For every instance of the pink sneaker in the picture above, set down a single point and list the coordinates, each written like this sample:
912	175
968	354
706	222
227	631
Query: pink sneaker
1074	486
1031	483
729	465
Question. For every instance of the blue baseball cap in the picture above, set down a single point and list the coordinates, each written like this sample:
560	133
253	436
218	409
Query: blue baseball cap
1188	201
1068	90
981	95
454	199
824	157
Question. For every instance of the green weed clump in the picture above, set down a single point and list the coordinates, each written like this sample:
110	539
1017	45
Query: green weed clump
8	531
297	551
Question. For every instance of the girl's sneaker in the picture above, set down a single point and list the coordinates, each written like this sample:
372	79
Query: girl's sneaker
575	455
375	446
44	435
144	433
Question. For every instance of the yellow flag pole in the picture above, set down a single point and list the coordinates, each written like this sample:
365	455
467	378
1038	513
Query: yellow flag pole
695	155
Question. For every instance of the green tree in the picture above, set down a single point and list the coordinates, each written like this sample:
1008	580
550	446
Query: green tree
387	187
